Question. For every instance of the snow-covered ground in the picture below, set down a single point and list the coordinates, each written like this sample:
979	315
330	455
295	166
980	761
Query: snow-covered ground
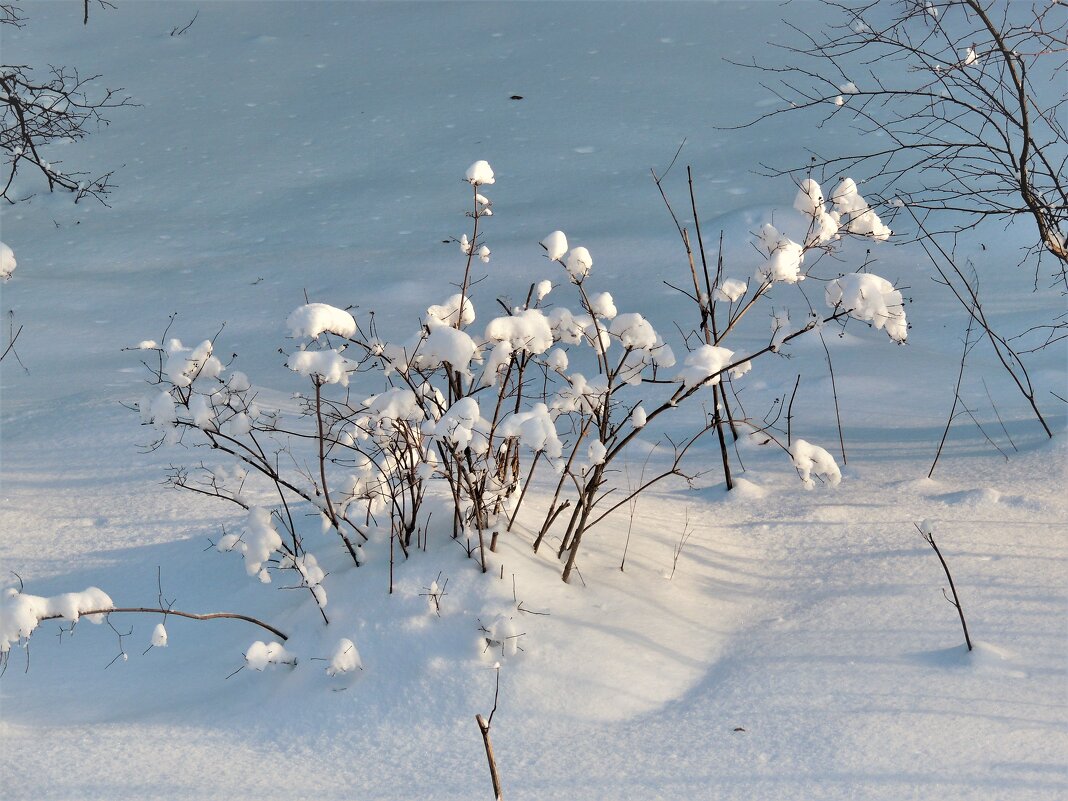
799	648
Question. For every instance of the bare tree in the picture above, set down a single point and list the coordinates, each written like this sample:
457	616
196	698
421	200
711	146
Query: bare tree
961	103
37	111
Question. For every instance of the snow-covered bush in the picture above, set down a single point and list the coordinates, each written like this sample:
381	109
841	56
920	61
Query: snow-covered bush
468	409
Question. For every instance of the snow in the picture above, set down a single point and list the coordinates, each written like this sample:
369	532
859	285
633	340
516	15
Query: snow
324	366
21	613
527	330
731	290
705	361
802	649
784	257
534	429
578	264
634	331
159	636
447	313
257	542
602	305
7	261
811	459
555	245
261	655
445	345
479	174
872	299
346	658
314	319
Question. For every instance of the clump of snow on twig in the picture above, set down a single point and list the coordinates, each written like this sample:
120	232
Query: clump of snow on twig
871	299
260	655
314	319
257	542
709	360
809	459
479	173
7	261
555	245
578	264
346	658
20	613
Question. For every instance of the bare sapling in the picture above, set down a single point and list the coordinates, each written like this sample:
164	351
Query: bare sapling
926	530
484	725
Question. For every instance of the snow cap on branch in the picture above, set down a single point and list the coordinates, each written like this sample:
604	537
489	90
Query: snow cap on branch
314	319
708	360
578	264
21	613
555	245
260	655
479	173
870	298
809	459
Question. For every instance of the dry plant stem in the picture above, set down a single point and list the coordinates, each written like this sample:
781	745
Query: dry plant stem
790	412
956	600
484	727
703	299
834	392
975	310
322	472
176	613
956	395
10	344
971	134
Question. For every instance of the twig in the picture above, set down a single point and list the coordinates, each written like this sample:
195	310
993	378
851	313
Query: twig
484	727
191	615
928	536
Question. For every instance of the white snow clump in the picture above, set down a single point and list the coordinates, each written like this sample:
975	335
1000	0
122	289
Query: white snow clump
534	429
578	264
7	261
784	257
322	366
527	330
159	636
809	459
346	658
555	245
257	542
316	318
852	207
708	360
870	298
479	173
731	290
448	312
21	613
260	654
